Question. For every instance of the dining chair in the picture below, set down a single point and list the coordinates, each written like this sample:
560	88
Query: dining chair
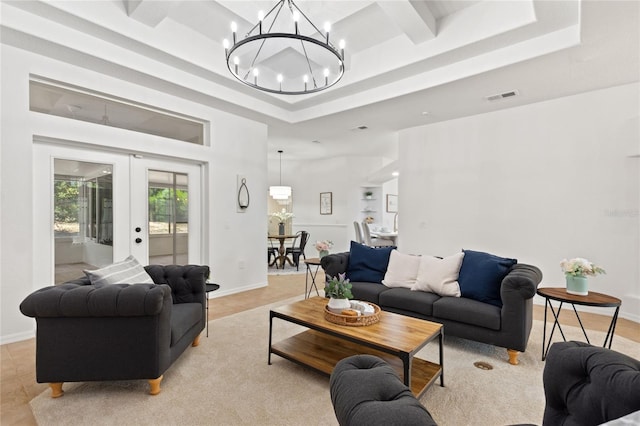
296	251
372	241
272	251
356	226
366	234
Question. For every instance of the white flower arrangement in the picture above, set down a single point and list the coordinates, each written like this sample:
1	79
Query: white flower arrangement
282	215
579	267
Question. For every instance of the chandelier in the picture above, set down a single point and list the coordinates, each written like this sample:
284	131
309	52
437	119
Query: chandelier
280	192
285	53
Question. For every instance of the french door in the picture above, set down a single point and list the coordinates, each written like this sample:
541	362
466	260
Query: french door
167	226
94	208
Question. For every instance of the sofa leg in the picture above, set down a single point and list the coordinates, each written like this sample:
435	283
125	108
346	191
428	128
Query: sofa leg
56	389
513	356
196	341
155	385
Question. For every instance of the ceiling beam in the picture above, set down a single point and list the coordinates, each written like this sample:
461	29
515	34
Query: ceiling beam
413	18
148	12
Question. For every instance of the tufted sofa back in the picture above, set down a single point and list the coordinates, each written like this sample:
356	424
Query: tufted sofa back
77	300
187	282
365	390
335	264
586	385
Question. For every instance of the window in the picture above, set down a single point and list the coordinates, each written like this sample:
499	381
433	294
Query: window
80	104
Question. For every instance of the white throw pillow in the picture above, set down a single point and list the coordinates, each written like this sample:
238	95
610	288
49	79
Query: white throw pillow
402	270
439	276
129	271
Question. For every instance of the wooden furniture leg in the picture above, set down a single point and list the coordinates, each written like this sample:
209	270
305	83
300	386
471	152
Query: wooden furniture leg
513	356
56	389
155	385
281	252
196	341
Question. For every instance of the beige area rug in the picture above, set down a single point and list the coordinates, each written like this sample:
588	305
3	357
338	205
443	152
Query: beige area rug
226	381
288	269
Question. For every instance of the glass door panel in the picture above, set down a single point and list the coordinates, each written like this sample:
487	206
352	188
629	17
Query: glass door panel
168	218
82	217
166	211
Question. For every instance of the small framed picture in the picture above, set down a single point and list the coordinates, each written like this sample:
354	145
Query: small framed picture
326	203
392	203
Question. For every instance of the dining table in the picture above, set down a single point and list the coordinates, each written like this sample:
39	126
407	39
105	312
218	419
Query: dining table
281	259
386	235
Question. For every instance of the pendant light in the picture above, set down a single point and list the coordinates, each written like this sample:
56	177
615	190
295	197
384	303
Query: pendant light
280	192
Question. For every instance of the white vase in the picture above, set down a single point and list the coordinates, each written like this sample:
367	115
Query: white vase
338	305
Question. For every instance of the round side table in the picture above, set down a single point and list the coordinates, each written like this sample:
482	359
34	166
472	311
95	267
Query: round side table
559	294
312	261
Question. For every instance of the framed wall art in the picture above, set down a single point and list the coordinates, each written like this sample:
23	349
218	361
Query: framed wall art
326	203
392	203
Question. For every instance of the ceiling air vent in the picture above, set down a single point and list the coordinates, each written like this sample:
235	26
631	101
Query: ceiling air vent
499	96
359	128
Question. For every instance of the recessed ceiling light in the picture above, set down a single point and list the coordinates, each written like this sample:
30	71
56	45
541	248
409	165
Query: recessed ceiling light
395	174
425	113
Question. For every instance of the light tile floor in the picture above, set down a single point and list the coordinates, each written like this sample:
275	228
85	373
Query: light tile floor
17	378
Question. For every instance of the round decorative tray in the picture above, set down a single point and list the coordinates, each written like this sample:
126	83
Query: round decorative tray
352	321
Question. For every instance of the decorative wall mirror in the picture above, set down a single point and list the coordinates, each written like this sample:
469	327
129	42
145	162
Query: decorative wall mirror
243	193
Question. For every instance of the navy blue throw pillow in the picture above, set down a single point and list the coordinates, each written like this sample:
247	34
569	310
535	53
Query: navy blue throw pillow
481	276
367	264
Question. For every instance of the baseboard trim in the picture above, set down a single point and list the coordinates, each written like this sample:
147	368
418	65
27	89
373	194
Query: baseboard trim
17	337
226	292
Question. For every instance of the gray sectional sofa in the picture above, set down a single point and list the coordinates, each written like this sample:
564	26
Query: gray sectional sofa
507	326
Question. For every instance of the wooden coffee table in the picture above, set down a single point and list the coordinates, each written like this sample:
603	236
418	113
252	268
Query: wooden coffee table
396	339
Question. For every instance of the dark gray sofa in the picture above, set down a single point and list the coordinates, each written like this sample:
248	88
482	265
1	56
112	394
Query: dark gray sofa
507	327
366	391
119	331
585	385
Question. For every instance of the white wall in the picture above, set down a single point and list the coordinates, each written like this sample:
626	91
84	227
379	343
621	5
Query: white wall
343	176
540	183
234	241
390	187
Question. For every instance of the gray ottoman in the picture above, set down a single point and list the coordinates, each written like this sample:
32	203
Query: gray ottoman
365	391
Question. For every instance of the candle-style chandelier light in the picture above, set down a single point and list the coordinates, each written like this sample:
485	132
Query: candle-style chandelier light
285	53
